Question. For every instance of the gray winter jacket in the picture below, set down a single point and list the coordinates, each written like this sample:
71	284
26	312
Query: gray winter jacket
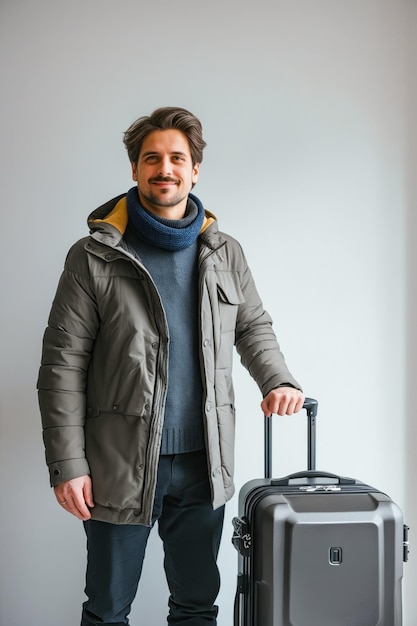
103	377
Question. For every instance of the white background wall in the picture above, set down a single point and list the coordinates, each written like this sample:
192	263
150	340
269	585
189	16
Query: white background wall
308	109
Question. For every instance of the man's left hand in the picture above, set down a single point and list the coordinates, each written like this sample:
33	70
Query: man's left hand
282	401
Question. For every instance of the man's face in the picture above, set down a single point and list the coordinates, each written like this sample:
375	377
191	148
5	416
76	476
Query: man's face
165	173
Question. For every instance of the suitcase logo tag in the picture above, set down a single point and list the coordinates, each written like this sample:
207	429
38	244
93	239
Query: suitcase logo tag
313	488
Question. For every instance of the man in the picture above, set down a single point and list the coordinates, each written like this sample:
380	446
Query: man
135	384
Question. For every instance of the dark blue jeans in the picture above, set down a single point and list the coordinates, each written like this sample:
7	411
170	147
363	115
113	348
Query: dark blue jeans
190	531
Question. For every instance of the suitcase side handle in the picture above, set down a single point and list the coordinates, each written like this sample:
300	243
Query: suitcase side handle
311	407
284	482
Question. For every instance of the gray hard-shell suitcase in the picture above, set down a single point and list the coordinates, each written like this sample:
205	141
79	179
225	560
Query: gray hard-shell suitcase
316	549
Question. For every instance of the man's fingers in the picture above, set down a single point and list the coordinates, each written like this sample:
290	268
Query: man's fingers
293	405
74	496
77	507
88	493
282	401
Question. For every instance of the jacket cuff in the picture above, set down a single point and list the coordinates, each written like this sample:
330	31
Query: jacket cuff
61	471
294	384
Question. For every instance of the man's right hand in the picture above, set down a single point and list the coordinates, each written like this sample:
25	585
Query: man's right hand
75	496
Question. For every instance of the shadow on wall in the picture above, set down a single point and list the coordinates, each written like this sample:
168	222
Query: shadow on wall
411	335
410	517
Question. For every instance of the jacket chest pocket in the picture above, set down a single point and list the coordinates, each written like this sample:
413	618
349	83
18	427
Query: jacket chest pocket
230	296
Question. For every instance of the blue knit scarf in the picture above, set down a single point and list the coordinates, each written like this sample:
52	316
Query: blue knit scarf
161	232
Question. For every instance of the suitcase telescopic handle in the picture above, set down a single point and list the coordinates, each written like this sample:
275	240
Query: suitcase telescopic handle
311	406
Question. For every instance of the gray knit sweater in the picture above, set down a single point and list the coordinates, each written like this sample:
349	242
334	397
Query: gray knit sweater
176	277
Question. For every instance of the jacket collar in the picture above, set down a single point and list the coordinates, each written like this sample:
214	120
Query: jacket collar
108	223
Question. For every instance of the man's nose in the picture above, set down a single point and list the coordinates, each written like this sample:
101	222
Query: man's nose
165	166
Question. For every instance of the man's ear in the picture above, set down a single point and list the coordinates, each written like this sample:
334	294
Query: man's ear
134	171
196	169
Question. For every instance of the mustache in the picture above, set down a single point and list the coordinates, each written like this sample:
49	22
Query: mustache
163	179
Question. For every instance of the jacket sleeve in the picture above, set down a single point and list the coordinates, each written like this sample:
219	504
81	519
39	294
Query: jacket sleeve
256	342
67	346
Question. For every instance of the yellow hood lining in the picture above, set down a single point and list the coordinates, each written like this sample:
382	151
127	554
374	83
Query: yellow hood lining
118	217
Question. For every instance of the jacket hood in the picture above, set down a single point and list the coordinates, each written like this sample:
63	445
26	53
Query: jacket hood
114	214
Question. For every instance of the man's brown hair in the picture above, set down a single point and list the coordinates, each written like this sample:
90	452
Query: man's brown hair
162	119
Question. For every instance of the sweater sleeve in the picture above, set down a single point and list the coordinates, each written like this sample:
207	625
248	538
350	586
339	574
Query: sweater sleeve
67	347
